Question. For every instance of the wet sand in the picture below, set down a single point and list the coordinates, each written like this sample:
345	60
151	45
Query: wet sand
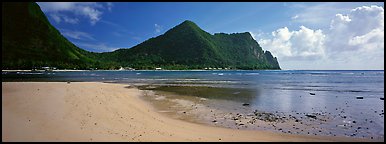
92	111
235	115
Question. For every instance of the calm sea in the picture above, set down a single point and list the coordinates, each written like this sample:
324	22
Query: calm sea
288	91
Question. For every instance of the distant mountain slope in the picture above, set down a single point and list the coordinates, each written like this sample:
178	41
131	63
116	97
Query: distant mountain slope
186	46
29	40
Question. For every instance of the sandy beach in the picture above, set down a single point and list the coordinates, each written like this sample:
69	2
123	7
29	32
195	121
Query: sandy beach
94	111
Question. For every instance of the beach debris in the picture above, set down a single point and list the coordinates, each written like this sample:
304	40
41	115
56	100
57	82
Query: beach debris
312	93
245	104
311	116
68	82
359	97
267	117
214	120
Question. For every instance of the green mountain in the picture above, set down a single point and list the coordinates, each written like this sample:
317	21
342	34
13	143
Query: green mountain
186	46
29	40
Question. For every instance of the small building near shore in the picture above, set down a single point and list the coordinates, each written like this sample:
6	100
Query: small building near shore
158	68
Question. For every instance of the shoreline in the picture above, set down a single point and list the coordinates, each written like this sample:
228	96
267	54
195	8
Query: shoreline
95	111
64	70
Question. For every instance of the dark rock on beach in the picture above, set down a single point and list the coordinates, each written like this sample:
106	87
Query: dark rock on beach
311	116
245	104
359	97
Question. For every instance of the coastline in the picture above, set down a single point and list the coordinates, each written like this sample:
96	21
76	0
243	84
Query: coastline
68	70
95	111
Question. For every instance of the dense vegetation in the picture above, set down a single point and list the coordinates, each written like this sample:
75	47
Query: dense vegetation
29	40
186	46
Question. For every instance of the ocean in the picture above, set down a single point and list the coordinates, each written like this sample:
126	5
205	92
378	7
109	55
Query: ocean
314	102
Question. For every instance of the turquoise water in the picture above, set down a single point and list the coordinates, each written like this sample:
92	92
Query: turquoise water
334	92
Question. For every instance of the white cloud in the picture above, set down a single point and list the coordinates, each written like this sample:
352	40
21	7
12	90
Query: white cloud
59	18
353	41
93	14
295	45
319	15
60	10
77	34
158	28
361	29
372	40
56	6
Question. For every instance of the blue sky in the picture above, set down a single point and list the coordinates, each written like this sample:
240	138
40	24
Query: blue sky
301	35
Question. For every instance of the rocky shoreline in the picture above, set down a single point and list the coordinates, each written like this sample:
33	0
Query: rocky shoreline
243	116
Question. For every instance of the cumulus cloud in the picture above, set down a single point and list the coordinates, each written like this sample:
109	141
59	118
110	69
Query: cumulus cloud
354	41
302	44
357	38
59	11
362	28
372	40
